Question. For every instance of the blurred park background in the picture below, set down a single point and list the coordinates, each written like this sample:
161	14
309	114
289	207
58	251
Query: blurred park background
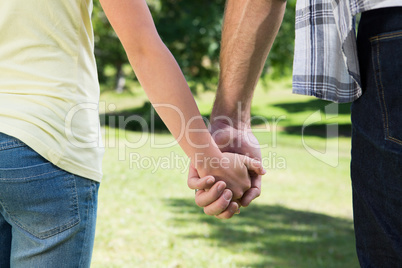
147	215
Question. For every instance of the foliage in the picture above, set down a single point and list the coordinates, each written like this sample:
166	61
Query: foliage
281	55
192	32
108	50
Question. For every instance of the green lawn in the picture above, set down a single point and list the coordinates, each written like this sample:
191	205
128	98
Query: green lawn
147	216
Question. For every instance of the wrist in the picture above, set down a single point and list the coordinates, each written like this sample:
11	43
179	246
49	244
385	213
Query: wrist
220	120
233	101
236	115
208	165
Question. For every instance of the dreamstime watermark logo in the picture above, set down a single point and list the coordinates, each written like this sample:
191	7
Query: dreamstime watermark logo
330	154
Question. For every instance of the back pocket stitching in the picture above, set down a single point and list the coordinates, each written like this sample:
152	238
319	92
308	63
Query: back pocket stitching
386	36
49	233
380	89
30	177
10	144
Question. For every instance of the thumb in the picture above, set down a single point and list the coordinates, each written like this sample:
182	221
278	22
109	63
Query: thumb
195	182
253	165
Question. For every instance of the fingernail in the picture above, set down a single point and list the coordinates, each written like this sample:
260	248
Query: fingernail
238	211
221	187
211	180
264	171
235	209
227	195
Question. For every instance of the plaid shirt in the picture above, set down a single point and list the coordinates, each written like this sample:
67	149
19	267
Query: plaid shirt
326	63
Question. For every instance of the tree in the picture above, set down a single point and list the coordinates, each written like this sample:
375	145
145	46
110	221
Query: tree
192	31
281	56
108	50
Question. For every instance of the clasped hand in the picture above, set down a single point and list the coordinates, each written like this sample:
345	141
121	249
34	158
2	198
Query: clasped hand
223	189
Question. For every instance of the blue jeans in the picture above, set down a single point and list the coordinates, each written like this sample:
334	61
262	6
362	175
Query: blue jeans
47	215
376	167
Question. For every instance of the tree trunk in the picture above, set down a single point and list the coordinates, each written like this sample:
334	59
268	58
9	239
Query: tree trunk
120	78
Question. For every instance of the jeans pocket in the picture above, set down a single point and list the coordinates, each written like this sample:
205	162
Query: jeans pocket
387	62
40	199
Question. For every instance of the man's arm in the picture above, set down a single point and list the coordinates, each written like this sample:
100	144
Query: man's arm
249	30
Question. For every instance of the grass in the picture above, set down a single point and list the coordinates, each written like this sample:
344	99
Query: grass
147	216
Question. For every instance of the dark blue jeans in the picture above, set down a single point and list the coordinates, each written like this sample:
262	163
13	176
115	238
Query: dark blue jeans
376	167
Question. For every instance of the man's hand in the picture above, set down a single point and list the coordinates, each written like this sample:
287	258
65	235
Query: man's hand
233	169
236	138
248	32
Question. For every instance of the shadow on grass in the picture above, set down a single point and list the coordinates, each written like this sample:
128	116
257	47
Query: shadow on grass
312	105
145	119
281	237
316	129
319	130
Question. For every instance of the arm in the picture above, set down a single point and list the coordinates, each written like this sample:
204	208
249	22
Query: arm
249	30
157	71
163	82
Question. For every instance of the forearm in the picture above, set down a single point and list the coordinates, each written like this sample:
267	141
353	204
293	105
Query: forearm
163	82
249	30
160	76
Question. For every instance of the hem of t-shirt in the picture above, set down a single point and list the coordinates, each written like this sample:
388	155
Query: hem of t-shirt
42	149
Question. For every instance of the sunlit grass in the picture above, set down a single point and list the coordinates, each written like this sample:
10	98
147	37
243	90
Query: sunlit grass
147	216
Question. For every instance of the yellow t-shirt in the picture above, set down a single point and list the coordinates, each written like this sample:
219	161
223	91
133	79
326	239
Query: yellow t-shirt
49	90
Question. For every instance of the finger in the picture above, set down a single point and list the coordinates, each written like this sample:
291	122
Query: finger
249	196
238	206
253	165
201	183
229	212
195	182
205	198
220	205
253	192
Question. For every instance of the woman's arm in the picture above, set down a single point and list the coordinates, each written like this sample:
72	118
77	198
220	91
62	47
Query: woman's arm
158	73
164	83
